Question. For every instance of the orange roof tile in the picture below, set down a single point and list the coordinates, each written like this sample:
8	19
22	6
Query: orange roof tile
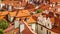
54	29
30	7
23	13
43	7
27	29
52	20
2	16
54	0
4	13
17	18
57	12
12	13
37	15
31	20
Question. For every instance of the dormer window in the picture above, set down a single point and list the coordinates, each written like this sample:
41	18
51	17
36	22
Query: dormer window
27	19
1	5
19	19
52	4
10	18
9	7
47	12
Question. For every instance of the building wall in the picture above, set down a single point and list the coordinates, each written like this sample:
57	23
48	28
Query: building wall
39	29
10	18
43	30
34	27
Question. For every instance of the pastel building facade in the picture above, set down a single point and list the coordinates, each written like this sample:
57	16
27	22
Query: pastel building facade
45	26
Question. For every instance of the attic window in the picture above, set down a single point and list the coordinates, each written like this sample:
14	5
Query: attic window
27	19
19	19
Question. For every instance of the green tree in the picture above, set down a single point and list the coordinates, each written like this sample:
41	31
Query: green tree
1	31
38	11
3	24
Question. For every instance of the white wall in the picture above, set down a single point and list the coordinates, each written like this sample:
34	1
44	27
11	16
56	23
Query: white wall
39	30
33	26
10	18
44	31
16	23
21	27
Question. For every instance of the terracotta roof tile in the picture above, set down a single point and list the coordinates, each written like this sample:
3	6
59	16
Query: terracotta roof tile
54	0
57	12
52	20
2	16
4	13
12	13
23	13
17	18
30	7
27	29
31	20
43	7
54	29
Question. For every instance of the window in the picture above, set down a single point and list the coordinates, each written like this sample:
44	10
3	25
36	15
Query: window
41	28
48	24
27	19
47	31
19	19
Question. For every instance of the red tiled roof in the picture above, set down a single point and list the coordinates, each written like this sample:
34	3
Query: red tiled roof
44	7
12	13
54	0
30	7
27	29
23	13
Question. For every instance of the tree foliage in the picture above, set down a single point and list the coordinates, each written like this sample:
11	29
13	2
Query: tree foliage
39	11
1	31
3	24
